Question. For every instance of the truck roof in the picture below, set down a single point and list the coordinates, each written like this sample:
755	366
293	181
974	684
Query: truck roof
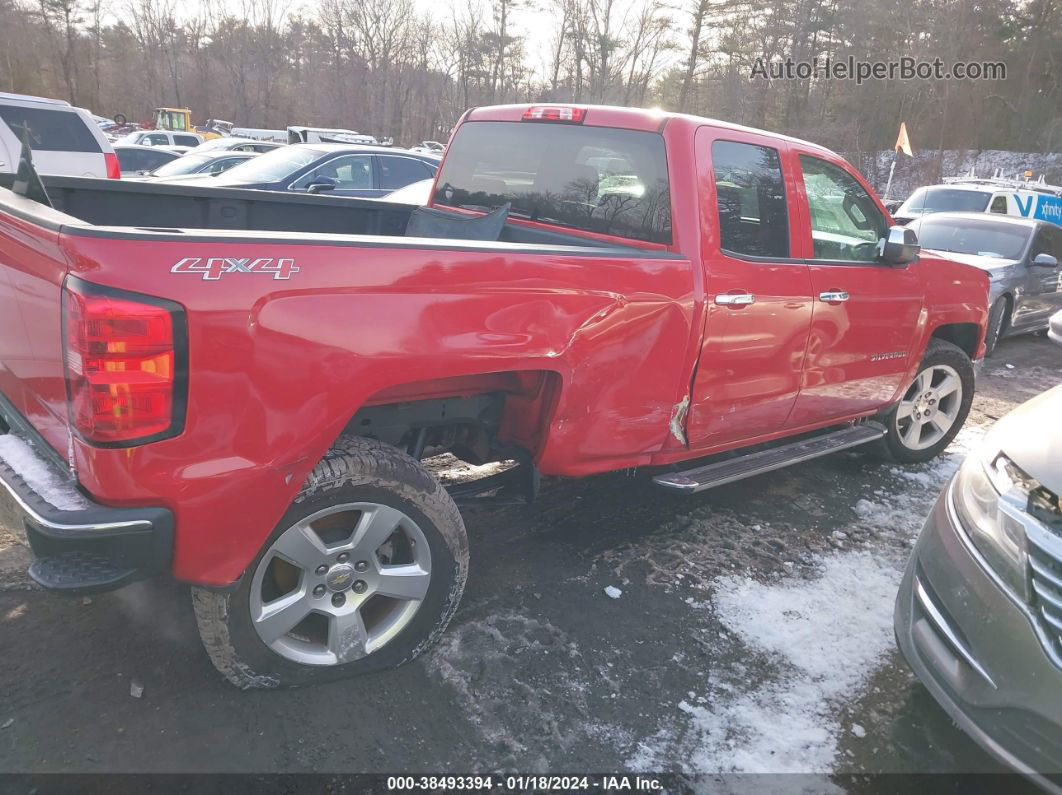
30	98
646	119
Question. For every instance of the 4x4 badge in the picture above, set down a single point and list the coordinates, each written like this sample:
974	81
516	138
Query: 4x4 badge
211	268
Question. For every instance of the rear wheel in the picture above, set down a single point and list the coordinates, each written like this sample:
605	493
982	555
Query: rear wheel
363	573
934	407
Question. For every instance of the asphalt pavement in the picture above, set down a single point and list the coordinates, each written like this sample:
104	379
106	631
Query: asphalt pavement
710	659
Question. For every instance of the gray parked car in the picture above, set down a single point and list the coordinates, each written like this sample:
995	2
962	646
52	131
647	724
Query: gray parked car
979	613
135	159
1021	257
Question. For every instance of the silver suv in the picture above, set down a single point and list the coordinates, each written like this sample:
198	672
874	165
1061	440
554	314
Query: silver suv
979	613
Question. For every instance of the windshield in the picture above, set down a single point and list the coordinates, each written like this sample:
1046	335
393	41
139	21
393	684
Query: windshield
189	164
971	236
942	200
271	166
597	179
214	143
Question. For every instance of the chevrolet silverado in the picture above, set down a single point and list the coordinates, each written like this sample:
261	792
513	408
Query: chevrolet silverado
238	388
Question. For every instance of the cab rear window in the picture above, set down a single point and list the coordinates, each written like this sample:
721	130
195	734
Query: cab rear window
49	130
596	179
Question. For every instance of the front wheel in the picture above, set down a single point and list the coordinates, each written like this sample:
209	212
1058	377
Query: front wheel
362	573
934	407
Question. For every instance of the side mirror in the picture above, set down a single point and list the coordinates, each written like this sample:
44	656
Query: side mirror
1045	261
899	246
321	184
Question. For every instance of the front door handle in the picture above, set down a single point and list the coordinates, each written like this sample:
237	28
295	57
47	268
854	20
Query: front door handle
735	299
834	296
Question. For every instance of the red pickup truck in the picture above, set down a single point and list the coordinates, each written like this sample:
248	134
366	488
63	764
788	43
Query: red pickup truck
239	387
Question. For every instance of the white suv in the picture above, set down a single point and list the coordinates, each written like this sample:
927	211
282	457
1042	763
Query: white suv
161	138
64	139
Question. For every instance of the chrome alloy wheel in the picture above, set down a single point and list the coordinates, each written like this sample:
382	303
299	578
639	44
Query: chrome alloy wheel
930	407
340	584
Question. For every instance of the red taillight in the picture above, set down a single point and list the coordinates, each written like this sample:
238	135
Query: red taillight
563	113
124	365
114	168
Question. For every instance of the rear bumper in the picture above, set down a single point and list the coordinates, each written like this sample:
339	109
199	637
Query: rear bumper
977	652
84	549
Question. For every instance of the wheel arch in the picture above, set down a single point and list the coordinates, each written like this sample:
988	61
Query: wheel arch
511	407
965	336
1008	312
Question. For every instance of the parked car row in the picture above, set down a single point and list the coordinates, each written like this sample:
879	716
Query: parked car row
338	169
1010	228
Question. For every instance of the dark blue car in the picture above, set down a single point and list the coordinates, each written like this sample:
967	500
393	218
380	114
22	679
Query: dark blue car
338	169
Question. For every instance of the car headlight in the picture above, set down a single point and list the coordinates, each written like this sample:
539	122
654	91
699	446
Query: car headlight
990	497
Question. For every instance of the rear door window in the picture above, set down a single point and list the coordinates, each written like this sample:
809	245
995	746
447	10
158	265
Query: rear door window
49	130
750	196
185	140
397	172
156	139
597	179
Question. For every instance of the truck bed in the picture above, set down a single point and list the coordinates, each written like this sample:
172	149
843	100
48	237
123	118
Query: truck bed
170	207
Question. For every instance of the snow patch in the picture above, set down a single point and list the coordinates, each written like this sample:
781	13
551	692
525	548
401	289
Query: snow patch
21	457
827	635
613	592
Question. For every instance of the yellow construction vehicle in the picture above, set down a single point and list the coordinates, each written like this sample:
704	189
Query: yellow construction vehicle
180	120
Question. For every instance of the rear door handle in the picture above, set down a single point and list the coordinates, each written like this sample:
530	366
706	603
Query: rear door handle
834	296
735	299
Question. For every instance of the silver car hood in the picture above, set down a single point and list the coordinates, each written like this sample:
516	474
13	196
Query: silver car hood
1031	437
990	264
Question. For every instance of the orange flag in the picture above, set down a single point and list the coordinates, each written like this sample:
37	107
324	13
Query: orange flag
903	143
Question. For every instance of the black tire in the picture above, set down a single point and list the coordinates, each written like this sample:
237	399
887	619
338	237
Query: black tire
997	317
938	352
120	119
355	470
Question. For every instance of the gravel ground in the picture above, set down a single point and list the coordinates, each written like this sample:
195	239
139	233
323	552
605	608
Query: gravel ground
610	626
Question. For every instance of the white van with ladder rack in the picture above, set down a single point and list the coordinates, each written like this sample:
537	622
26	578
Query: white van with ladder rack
1021	197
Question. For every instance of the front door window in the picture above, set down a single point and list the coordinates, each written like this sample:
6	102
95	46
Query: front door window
846	224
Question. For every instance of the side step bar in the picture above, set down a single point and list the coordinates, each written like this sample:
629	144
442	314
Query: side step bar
720	473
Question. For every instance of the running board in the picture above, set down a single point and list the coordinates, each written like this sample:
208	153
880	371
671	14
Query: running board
720	473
